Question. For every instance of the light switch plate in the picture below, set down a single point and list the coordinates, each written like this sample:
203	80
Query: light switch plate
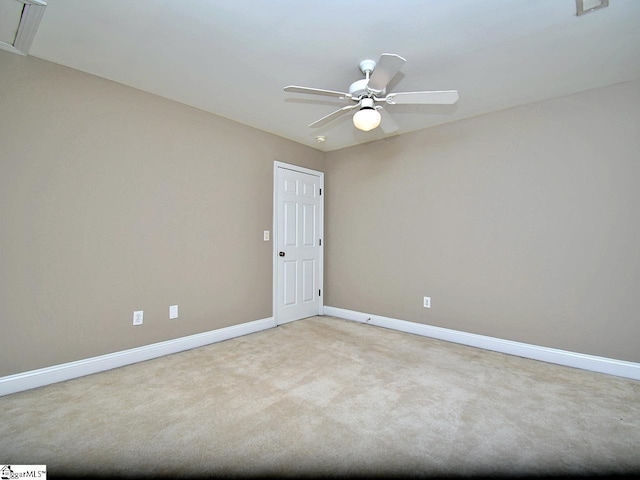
173	312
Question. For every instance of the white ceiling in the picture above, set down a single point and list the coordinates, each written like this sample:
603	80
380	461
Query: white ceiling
233	57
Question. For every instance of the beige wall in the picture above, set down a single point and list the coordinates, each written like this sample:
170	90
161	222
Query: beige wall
114	200
522	224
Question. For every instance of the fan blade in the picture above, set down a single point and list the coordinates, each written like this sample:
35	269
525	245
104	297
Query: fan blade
333	115
316	91
388	124
442	97
386	68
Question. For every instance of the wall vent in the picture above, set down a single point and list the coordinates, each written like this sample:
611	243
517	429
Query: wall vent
586	6
19	20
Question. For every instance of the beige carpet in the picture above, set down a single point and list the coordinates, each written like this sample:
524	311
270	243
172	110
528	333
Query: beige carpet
327	397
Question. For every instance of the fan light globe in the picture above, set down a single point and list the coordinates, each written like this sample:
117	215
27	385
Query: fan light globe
366	119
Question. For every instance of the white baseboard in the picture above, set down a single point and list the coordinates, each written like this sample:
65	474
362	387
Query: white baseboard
66	371
610	366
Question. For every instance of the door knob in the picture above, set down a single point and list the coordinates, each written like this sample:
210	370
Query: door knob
281	254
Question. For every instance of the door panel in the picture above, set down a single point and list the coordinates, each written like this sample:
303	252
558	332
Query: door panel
290	224
290	272
291	186
308	280
309	190
309	225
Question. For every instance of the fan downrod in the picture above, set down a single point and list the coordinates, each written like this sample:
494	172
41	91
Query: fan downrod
358	89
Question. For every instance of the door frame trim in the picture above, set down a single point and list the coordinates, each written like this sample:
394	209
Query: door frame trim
274	237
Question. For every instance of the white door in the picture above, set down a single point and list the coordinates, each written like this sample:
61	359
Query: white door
298	224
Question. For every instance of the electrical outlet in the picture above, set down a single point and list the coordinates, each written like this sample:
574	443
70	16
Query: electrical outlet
265	236
137	317
427	302
173	312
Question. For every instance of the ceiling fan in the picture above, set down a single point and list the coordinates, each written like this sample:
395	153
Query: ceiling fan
373	89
